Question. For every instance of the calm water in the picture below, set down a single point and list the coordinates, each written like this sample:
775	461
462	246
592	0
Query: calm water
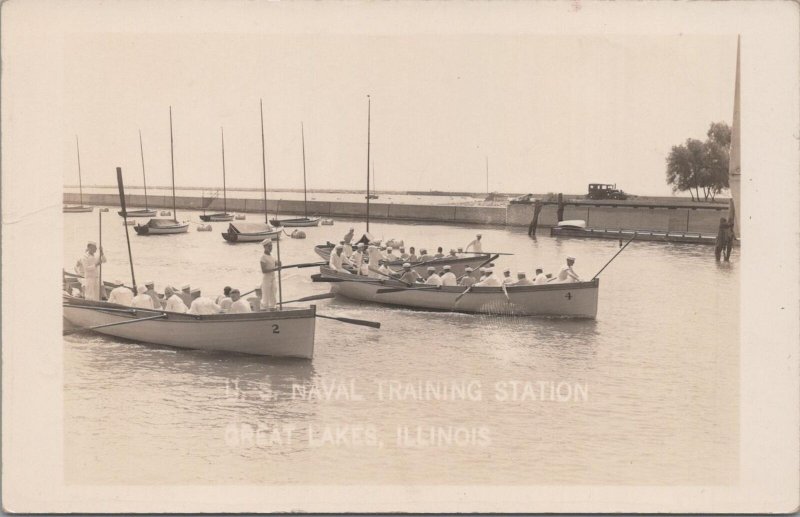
645	394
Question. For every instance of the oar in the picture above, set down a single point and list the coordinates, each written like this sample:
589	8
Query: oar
493	257
505	292
485	252
612	258
73	331
468	289
305	264
313	297
365	323
422	287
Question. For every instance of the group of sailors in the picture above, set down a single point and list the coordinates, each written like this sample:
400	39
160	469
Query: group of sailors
486	276
179	300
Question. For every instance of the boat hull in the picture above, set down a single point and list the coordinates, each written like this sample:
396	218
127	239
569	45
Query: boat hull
286	333
161	229
255	234
138	213
76	209
573	300
300	222
457	264
217	218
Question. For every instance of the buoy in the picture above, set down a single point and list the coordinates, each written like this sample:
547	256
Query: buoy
298	234
166	212
204	228
239	217
327	222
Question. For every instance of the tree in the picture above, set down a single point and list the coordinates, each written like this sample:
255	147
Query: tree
701	167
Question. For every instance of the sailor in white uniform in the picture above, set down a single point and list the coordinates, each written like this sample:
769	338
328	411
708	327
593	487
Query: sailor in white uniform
448	278
566	274
269	288
476	245
522	279
433	278
142	300
507	277
357	258
409	276
467	280
338	260
120	294
174	302
89	266
490	281
539	278
239	305
203	306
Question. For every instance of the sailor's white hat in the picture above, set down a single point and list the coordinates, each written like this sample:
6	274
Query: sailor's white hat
185	287
539	268
91	243
406	264
360	245
468	269
339	247
266	241
521	273
389	248
507	270
446	266
141	289
150	282
570	257
431	268
478	235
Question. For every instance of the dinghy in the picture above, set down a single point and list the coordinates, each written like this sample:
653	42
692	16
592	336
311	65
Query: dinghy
224	215
305	221
250	232
146	212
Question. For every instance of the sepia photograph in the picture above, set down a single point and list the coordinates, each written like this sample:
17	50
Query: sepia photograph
349	257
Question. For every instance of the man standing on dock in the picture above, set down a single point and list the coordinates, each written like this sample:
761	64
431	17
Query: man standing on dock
88	266
475	245
269	265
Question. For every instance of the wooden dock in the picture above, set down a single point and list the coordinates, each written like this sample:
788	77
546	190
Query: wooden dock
641	235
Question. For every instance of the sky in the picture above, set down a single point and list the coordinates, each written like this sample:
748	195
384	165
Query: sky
551	113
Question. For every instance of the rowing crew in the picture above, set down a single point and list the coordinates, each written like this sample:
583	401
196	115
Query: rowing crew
175	300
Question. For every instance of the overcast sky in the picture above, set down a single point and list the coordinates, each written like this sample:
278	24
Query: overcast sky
551	113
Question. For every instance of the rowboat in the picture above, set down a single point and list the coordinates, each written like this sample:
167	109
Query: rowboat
137	213
298	222
250	232
574	300
283	333
457	264
217	218
161	227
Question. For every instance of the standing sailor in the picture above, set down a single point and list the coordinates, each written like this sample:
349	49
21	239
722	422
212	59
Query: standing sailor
269	288
88	266
566	274
448	278
476	245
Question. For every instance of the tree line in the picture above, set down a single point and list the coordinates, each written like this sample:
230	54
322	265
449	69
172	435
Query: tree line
701	167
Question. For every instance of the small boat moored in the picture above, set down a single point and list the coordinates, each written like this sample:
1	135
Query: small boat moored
250	232
161	227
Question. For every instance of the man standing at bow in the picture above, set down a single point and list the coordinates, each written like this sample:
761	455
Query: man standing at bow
89	267
476	245
269	288
566	274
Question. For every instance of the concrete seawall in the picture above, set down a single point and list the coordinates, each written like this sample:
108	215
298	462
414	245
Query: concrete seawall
702	219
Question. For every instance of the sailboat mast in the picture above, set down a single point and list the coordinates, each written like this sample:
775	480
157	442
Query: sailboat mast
144	177
369	107
263	160
487	174
172	163
80	181
224	190
305	200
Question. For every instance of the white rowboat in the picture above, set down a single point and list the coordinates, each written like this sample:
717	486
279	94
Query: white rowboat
250	232
284	333
574	300
161	227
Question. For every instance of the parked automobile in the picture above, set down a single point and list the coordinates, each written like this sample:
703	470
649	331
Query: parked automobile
605	191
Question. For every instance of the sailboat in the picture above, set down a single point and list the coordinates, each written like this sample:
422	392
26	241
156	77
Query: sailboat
224	216
72	209
146	212
255	232
305	220
165	226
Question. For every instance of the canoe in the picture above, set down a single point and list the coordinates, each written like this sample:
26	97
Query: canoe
298	222
216	218
573	300
250	232
456	264
284	333
138	213
75	209
161	227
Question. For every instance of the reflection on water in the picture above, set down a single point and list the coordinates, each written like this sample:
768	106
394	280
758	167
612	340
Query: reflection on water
645	394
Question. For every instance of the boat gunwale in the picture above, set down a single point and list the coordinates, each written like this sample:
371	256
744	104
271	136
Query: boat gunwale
400	262
112	309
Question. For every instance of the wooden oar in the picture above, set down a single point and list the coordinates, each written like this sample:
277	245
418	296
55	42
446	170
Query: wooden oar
468	289
485	252
612	258
493	257
365	323
313	297
73	331
505	292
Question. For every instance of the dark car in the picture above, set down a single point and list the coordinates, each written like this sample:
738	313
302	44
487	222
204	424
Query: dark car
605	191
